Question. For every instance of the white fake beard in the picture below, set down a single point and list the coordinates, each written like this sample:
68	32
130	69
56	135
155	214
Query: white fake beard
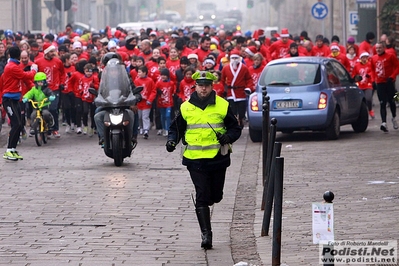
235	63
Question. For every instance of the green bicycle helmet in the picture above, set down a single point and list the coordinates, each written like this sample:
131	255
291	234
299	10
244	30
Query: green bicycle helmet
40	76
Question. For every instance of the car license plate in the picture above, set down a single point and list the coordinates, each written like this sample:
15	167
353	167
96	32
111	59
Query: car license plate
287	104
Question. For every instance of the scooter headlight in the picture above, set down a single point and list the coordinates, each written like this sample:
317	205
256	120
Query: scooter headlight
116	119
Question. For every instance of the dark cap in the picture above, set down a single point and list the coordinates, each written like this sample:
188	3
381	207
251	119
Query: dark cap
165	72
184	60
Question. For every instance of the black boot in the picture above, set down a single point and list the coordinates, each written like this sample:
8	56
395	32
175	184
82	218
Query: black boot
204	220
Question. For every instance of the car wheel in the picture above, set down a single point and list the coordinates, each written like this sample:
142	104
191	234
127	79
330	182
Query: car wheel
362	122
255	135
333	130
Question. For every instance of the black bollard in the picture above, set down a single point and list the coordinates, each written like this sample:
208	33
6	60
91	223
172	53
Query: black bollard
269	156
268	191
265	131
278	212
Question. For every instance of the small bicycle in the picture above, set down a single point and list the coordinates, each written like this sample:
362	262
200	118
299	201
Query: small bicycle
39	126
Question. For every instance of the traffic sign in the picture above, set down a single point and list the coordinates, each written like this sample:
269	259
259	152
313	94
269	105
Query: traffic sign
353	21
319	10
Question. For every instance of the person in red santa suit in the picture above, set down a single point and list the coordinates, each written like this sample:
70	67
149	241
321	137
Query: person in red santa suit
280	48
238	80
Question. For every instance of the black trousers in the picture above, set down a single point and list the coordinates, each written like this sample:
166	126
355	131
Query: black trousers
13	109
385	92
208	186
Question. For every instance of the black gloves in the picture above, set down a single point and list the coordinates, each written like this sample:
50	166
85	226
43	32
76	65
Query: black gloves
358	78
389	80
170	145
61	87
223	139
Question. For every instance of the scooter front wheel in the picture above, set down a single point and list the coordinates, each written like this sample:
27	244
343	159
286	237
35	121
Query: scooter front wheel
117	149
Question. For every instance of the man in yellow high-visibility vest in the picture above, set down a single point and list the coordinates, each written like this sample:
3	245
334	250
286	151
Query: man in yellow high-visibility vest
207	127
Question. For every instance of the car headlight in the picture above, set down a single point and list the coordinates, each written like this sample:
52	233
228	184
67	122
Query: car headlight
116	119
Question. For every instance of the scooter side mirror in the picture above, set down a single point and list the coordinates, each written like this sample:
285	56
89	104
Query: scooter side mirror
93	91
137	90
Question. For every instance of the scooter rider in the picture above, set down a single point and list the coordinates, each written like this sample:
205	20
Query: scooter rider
113	66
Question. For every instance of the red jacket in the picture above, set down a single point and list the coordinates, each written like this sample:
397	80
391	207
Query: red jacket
363	70
88	82
323	51
148	93
366	47
73	83
202	54
152	70
343	60
186	88
68	74
242	80
172	65
219	89
279	49
384	66
27	84
13	77
255	73
54	70
167	89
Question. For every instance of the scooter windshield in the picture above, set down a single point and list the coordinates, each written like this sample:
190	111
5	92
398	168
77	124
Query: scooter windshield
114	87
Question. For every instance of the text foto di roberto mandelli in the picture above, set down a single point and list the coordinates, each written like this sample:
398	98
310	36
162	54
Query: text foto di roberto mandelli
357	243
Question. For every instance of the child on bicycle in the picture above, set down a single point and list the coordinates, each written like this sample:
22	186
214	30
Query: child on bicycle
38	93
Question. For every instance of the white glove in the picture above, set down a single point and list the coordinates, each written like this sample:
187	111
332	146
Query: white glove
34	67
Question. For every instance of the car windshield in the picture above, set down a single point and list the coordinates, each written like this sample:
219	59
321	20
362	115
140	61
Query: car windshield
114	86
291	74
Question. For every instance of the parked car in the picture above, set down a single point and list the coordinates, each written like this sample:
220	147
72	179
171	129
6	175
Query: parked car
308	93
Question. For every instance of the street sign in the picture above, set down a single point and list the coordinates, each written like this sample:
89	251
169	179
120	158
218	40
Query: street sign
319	10
353	21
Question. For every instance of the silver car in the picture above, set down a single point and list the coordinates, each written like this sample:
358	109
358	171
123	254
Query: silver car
308	93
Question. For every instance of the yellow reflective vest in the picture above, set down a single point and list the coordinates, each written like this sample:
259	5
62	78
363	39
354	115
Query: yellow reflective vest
201	140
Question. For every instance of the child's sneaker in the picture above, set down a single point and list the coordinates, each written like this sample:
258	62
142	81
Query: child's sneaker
56	134
72	126
79	130
159	132
16	155
91	132
141	131
8	155
145	134
165	133
85	131
68	129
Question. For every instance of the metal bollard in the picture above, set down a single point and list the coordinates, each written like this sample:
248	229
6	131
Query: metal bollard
269	156
278	211
268	191
265	131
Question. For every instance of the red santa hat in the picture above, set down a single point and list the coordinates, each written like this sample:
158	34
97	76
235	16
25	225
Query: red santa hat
284	33
47	47
234	53
251	50
334	47
153	33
